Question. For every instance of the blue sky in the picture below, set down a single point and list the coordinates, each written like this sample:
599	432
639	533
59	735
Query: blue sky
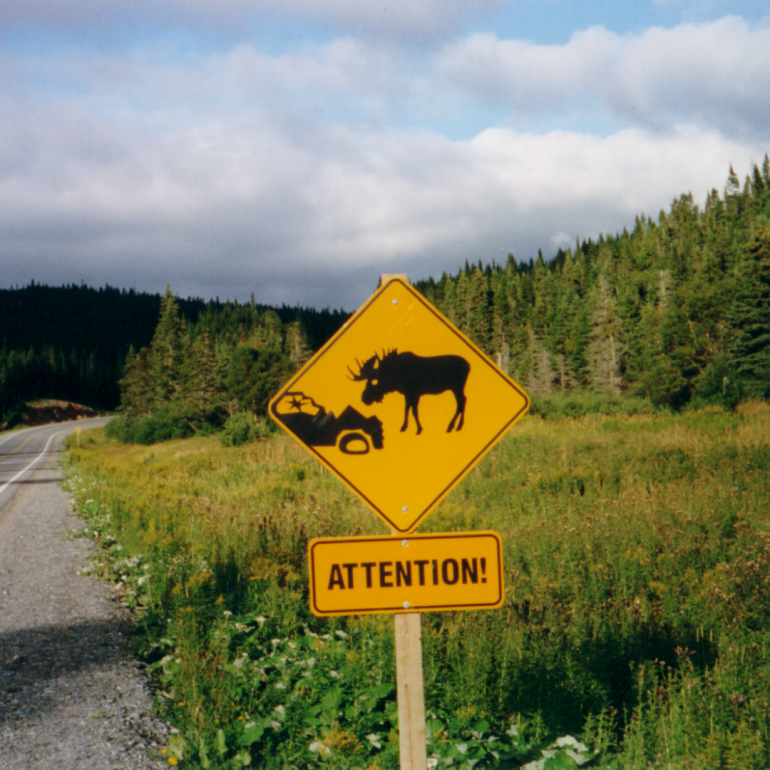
297	149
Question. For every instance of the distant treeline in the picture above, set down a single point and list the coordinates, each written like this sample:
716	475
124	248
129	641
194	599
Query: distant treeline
674	312
678	309
72	342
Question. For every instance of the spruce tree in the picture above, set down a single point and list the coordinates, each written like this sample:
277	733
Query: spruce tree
750	351
449	304
477	321
577	340
199	386
460	306
541	376
269	333
606	349
136	386
296	345
502	312
167	351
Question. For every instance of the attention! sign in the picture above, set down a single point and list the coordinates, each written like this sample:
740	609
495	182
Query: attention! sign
399	405
419	573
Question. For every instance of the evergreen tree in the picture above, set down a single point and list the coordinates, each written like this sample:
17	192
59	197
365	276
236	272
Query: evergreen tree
476	312
750	351
137	399
460	304
577	341
540	377
254	375
200	392
449	305
269	333
502	320
167	352
606	348
296	345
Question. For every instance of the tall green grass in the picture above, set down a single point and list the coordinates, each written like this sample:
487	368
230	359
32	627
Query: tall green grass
637	615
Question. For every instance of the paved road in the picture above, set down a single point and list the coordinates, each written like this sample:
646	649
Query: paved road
70	699
32	454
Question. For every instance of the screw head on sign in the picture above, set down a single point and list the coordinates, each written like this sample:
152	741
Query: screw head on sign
405	543
394	302
404	508
407	605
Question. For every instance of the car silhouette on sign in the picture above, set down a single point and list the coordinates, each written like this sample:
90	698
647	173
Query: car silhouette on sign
352	433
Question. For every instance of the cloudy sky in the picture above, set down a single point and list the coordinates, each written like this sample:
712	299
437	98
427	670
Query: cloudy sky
297	149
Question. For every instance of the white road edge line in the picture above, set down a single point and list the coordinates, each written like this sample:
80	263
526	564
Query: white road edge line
33	463
17	433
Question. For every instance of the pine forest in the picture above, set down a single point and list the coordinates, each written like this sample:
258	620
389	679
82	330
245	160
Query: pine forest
676	310
98	347
674	313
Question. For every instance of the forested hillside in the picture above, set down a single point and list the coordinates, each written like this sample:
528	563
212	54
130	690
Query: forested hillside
676	309
193	376
72	342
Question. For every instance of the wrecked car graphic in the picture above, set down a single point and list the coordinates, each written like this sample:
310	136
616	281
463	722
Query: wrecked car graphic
351	432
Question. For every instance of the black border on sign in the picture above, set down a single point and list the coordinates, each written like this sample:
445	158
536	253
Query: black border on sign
460	336
412	608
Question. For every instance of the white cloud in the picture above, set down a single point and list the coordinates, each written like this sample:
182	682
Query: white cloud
716	74
227	206
395	19
424	19
239	171
344	80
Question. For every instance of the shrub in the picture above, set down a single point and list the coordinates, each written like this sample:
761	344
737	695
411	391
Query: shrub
170	422
243	427
579	403
119	429
719	386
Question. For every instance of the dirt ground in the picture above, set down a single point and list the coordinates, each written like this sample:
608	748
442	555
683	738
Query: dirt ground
48	411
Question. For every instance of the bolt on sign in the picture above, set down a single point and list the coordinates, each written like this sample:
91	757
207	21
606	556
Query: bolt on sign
399	404
418	573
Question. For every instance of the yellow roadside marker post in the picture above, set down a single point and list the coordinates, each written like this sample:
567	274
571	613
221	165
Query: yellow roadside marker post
400	405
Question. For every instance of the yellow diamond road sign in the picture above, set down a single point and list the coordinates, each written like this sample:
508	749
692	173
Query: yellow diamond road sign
399	405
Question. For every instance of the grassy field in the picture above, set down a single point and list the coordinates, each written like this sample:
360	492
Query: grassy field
637	614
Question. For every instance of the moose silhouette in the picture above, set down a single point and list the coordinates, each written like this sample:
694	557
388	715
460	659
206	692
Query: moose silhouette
414	376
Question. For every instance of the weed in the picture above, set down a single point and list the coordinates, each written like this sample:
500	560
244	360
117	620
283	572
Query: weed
637	618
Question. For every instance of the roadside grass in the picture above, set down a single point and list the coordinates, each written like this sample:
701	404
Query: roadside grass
637	617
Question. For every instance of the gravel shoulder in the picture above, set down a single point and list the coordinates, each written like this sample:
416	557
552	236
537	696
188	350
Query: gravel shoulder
70	697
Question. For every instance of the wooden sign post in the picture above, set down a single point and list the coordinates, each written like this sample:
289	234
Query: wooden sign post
410	682
410	692
383	406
